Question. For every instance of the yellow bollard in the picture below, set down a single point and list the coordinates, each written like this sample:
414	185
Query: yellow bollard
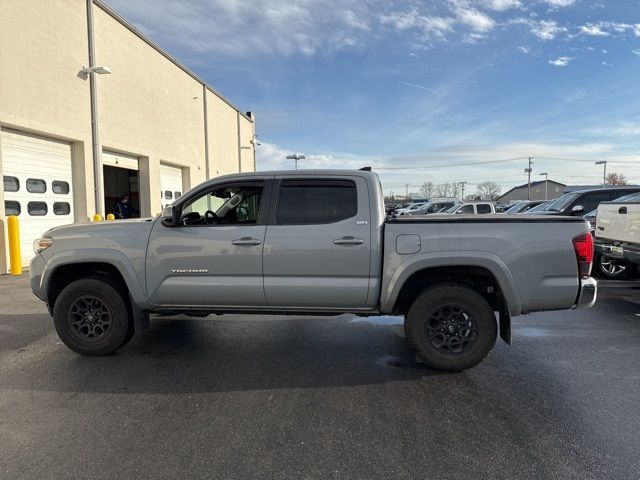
111	217
97	217
15	259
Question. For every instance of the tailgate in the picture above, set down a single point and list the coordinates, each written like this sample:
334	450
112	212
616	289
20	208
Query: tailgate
619	222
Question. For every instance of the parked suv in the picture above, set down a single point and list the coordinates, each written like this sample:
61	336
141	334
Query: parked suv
583	201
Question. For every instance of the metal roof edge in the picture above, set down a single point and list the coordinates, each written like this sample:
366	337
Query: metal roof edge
119	18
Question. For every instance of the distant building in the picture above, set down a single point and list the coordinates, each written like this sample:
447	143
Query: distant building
538	192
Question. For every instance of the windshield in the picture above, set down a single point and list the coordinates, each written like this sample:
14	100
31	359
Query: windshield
563	202
518	207
539	208
632	197
452	209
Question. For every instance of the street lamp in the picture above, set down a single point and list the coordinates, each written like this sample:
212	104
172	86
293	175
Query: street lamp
604	175
100	70
546	181
296	157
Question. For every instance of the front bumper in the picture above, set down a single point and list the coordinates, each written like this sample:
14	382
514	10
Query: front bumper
587	294
36	268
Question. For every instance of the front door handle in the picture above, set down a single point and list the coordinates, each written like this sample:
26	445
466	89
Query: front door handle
246	242
348	241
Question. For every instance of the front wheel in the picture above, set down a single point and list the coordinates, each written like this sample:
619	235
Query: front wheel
452	327
92	317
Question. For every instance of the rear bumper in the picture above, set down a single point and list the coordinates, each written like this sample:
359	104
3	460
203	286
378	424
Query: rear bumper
587	294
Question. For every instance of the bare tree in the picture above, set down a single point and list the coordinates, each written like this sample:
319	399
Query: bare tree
456	189
427	189
489	190
616	179
442	189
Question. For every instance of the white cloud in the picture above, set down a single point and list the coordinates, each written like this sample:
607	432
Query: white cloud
502	5
546	29
475	19
560	61
593	30
249	28
524	49
559	3
636	51
270	156
636	29
426	24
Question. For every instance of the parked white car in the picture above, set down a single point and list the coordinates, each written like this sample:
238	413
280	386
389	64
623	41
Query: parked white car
473	208
436	205
414	207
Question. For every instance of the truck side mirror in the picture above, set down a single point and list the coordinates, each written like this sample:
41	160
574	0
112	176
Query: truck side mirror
577	209
168	216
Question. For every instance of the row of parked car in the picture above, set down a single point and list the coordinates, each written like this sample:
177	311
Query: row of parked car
614	214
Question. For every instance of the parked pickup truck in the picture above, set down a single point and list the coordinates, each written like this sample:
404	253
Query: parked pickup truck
312	242
618	232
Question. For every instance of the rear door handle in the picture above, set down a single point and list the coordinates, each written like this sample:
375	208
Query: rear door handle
622	210
246	242
348	241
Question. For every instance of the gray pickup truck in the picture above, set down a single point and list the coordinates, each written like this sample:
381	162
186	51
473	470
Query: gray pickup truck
312	242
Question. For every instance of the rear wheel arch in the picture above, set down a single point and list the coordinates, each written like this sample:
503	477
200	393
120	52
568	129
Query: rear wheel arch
480	279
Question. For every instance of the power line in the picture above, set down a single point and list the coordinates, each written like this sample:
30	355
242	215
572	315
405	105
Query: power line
451	164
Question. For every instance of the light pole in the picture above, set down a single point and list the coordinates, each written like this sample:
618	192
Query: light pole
296	157
546	181
604	175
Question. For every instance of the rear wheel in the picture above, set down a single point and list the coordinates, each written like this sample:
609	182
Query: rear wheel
91	316
612	268
452	327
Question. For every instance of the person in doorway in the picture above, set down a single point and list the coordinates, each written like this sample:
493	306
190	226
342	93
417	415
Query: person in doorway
123	208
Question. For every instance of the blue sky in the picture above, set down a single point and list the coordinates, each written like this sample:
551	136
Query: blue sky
418	85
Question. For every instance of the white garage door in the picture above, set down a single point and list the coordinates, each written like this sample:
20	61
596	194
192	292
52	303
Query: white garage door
170	184
37	185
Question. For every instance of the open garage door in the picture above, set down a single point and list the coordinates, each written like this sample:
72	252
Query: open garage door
120	177
170	184
37	177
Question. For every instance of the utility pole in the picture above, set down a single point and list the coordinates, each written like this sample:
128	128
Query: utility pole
528	172
462	184
406	192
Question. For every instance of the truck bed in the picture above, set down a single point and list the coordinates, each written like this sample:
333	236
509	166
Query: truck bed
532	258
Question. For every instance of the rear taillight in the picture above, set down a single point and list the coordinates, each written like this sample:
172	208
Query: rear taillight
583	246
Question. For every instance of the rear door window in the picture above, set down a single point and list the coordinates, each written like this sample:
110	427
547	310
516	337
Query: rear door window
308	202
466	209
484	208
590	201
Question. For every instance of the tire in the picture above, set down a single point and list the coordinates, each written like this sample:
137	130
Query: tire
612	268
92	316
457	309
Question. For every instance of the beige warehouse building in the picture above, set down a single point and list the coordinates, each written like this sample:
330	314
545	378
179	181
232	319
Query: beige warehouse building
158	129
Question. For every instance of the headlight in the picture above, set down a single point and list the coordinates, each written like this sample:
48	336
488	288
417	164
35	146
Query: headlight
42	244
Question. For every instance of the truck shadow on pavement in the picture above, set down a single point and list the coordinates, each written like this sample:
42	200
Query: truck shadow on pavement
183	354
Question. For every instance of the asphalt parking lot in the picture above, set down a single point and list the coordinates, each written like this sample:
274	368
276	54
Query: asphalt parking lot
326	397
